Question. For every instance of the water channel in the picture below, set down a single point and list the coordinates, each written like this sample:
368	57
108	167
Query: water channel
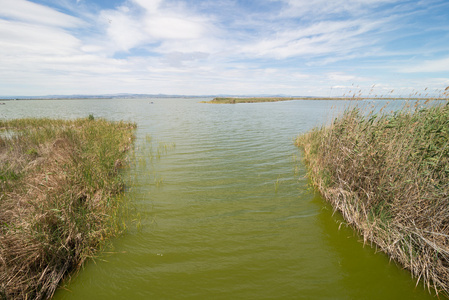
224	209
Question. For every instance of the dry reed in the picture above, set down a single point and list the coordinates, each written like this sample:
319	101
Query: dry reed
388	175
58	184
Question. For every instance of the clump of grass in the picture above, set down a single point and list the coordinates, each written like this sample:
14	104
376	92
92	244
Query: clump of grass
59	181
388	175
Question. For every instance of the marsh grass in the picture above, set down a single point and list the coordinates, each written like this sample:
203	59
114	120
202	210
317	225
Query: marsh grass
352	95
59	202
221	100
388	174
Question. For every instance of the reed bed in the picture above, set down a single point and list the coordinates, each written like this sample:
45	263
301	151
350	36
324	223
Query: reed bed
224	100
388	175
58	202
350	97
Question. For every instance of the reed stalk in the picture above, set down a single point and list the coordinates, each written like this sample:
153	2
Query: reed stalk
388	175
58	201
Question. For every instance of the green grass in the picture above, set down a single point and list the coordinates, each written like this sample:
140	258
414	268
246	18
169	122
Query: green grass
58	203
219	100
388	174
235	100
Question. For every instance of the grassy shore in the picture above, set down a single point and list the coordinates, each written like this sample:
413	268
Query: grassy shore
388	175
219	100
58	203
222	100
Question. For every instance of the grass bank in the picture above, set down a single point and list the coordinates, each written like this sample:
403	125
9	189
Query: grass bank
220	100
388	175
58	203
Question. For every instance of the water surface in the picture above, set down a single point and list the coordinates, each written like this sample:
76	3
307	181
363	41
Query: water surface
225	210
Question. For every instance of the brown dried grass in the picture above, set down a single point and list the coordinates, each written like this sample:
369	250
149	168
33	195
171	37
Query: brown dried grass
388	175
58	182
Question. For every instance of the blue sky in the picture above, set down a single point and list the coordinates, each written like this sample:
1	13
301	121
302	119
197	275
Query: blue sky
206	47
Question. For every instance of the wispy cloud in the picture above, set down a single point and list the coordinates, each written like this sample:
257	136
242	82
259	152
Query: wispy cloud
19	39
327	37
30	12
206	47
325	9
428	66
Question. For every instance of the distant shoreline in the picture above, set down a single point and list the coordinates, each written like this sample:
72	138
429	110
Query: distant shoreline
230	100
97	97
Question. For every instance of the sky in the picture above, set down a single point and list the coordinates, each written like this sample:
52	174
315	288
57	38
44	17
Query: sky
211	47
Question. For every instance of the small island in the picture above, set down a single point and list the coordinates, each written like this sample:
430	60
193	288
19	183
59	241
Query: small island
235	100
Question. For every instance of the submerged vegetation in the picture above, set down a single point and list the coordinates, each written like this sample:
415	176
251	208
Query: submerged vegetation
58	203
388	174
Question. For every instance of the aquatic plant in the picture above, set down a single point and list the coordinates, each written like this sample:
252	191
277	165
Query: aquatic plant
388	175
276	184
58	202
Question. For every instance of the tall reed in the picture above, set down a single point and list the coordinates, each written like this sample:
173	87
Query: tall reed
388	174
59	181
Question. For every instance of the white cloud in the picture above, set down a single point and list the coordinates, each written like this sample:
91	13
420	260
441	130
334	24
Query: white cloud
159	46
177	59
327	37
129	27
151	6
30	12
427	66
341	77
319	9
123	30
173	27
18	38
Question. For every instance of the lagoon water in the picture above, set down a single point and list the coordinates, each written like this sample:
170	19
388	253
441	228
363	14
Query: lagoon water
223	209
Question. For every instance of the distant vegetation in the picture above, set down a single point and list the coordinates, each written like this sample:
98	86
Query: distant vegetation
235	100
247	100
388	174
58	202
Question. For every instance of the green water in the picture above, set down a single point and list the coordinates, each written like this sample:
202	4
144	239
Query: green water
224	210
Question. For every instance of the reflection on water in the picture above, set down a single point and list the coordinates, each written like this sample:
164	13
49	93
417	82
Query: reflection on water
225	213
